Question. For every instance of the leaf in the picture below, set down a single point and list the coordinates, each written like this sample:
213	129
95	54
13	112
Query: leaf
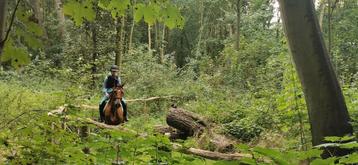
138	12
104	3
29	39
151	13
248	161
329	161
273	154
80	11
24	17
332	139
349	145
243	147
350	159
17	56
118	7
312	153
172	17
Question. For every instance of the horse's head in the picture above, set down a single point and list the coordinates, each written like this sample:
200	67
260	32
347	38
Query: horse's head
118	92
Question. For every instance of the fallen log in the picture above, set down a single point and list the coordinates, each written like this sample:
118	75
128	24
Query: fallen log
84	106
210	154
216	155
150	99
187	122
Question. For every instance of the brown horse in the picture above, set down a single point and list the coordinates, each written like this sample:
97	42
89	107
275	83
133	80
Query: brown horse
113	111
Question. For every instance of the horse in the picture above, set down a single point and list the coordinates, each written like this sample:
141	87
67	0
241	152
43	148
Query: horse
113	110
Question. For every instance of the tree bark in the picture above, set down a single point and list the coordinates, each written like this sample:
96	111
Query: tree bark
132	29
187	122
162	46
3	13
328	113
121	37
60	17
201	29
94	51
321	16
38	12
149	38
238	19
216	155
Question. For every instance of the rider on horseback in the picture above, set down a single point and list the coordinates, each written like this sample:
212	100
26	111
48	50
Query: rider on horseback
110	82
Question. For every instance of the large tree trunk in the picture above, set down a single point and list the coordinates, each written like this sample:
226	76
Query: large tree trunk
185	121
327	109
132	29
60	17
3	12
238	18
94	51
121	36
38	12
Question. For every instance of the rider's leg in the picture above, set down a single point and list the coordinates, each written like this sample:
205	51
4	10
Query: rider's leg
101	108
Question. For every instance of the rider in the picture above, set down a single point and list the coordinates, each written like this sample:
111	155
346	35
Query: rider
110	82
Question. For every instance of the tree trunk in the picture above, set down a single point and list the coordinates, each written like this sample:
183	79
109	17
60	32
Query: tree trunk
238	18
121	37
60	17
189	123
149	38
328	113
321	16
132	30
38	12
329	28
3	12
162	45
94	51
201	29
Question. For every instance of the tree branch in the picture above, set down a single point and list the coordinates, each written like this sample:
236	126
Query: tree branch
11	23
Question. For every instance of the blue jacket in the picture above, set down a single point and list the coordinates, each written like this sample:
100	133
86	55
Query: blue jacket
111	82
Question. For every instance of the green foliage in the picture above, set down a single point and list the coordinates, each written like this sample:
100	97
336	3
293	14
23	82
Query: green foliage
80	11
117	8
244	129
248	93
17	56
28	34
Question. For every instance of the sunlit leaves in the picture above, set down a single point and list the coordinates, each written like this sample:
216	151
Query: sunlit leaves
80	11
172	17
349	159
329	161
17	56
165	13
152	12
116	7
138	12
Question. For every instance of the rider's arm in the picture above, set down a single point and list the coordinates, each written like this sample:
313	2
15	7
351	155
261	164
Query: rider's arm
119	81
106	90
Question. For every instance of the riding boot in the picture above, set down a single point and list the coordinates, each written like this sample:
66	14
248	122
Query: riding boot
125	113
101	113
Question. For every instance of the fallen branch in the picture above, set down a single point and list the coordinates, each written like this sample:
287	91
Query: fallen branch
151	99
216	155
105	126
210	154
130	101
59	111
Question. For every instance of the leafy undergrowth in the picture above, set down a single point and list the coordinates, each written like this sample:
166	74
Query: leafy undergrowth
29	136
